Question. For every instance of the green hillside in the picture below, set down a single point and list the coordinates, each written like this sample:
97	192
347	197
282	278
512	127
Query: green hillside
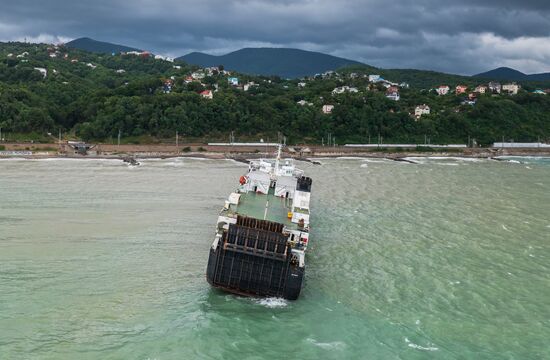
94	96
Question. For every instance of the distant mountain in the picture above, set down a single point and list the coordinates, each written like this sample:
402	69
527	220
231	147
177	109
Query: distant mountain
286	63
99	47
506	73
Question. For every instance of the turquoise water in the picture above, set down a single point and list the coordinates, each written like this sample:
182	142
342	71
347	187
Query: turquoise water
443	259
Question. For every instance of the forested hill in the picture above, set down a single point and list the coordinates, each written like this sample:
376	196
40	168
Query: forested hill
100	47
44	89
286	63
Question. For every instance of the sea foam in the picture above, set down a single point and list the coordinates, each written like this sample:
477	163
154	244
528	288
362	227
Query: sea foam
419	347
272	303
327	346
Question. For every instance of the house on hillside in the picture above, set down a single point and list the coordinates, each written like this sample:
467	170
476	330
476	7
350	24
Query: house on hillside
327	109
443	90
207	94
329	74
421	110
165	58
167	87
233	81
511	88
343	89
392	93
539	92
250	85
302	84
469	102
304	103
481	89
197	75
460	89
375	78
43	71
495	87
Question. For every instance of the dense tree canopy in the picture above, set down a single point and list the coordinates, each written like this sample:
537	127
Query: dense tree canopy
96	96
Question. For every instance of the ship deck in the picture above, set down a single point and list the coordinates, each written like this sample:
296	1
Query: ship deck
253	205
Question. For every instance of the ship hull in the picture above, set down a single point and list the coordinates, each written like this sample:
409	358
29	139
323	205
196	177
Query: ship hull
250	275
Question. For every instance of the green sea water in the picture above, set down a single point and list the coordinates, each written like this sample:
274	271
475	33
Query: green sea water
442	259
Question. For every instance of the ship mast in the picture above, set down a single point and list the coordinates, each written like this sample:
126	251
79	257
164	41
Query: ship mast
278	159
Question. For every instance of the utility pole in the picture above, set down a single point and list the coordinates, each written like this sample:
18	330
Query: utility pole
1	134
176	138
59	136
118	138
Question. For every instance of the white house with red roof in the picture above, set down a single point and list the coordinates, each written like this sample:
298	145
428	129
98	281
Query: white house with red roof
207	94
443	90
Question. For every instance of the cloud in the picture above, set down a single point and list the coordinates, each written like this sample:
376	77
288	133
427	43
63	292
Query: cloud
459	37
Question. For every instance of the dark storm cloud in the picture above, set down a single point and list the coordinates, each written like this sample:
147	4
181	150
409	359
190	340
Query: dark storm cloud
456	36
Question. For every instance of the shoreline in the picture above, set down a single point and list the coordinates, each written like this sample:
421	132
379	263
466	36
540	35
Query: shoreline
244	157
242	153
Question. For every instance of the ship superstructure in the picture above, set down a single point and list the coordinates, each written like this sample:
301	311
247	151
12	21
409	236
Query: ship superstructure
263	232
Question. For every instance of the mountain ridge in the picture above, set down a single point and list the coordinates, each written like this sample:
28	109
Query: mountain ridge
98	47
284	62
506	73
296	63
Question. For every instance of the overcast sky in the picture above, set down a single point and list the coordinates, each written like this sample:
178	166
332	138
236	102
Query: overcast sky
456	36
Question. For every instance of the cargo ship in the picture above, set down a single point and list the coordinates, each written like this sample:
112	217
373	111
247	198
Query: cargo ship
262	233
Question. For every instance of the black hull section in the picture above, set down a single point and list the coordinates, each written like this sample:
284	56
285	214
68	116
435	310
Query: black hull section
250	275
254	258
